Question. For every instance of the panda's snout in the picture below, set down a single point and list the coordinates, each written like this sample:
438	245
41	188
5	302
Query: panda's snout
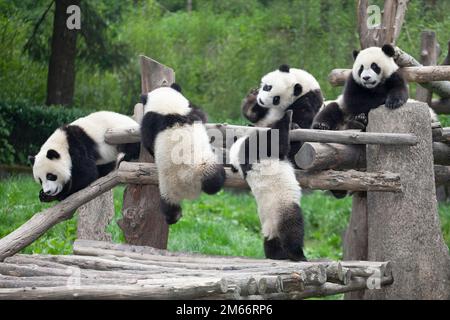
366	78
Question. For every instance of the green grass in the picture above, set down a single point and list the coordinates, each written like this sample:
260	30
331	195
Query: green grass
224	224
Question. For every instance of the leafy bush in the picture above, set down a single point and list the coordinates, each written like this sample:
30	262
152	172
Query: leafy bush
24	128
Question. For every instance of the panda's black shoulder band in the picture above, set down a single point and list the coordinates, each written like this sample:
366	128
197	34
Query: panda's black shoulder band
284	68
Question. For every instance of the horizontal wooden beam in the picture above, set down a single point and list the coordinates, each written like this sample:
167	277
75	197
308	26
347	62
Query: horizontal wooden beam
146	173
224	136
441	106
422	74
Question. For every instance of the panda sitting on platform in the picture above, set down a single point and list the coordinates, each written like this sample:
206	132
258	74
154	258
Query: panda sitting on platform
76	155
374	81
279	212
173	131
281	90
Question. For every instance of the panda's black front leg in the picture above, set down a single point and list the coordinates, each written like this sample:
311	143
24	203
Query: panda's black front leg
171	211
397	91
274	250
328	117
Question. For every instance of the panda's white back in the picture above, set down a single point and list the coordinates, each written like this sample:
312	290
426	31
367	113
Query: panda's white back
96	124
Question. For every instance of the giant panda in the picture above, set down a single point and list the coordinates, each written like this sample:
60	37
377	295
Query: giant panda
281	90
278	207
375	80
76	155
173	131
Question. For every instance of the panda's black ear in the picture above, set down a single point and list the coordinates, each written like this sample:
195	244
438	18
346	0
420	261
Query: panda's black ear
176	87
355	54
31	159
388	50
298	89
53	154
144	99
284	68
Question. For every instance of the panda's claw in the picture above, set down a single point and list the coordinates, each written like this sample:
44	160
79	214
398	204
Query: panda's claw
321	126
393	102
362	118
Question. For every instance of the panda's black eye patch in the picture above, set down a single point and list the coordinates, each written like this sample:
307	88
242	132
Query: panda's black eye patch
375	68
267	87
276	100
360	70
52	154
51	177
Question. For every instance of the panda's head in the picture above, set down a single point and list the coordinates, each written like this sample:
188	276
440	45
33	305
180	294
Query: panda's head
166	100
52	166
279	89
373	65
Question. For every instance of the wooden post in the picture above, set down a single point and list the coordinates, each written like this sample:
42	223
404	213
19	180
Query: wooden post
142	222
404	227
428	55
95	216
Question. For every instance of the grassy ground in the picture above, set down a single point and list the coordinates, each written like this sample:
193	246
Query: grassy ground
225	224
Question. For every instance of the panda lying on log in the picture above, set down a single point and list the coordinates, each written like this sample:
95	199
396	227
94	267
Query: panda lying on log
174	133
282	90
279	212
75	155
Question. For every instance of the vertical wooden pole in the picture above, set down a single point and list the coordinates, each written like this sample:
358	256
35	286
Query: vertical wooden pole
428	57
142	222
404	227
95	216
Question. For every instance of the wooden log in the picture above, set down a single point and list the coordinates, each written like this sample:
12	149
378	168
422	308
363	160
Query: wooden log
43	221
176	291
145	173
442	175
336	273
405	228
123	135
419	74
142	221
441	153
322	156
224	136
441	106
95	216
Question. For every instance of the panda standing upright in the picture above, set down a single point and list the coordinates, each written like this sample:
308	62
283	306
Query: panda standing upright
279	210
173	131
375	80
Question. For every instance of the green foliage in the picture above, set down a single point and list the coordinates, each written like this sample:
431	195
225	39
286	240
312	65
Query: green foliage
24	128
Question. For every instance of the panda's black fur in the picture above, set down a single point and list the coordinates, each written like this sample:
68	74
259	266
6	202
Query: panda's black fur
279	209
358	99
167	112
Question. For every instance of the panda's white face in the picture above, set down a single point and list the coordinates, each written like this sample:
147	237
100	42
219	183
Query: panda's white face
52	165
277	90
372	66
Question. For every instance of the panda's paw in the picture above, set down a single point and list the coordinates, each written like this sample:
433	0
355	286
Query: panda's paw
172	212
362	118
294	126
321	126
394	102
45	198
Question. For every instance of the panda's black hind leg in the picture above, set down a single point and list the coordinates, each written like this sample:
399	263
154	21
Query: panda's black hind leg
274	250
291	232
172	212
213	179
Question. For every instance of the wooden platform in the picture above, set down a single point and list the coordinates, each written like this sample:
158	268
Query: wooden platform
102	270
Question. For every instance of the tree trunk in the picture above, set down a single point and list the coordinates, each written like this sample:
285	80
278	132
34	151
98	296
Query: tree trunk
61	68
404	227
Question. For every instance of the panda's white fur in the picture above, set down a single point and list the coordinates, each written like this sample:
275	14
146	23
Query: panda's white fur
264	179
368	77
180	144
282	85
95	126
